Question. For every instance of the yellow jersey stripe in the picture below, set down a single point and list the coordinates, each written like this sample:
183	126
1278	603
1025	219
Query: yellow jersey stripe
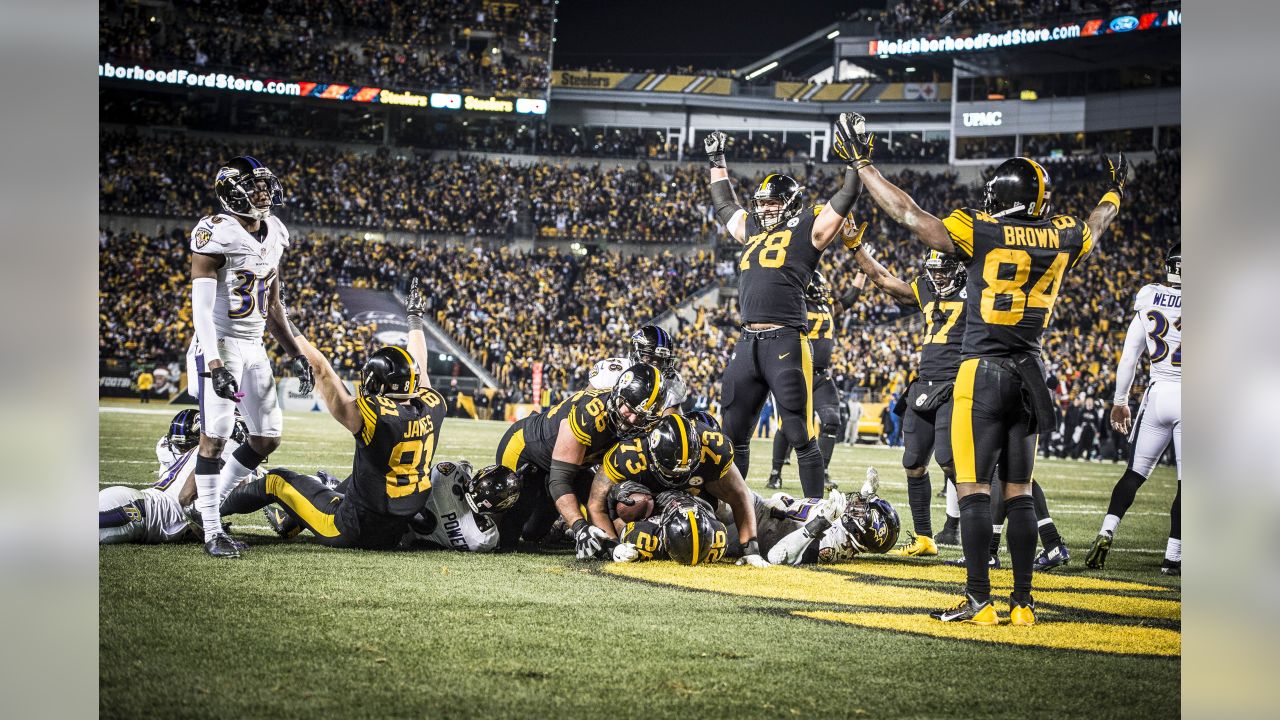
1086	246
577	430
915	290
693	527
610	464
370	420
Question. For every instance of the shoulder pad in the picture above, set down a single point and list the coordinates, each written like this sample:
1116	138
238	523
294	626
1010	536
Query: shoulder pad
1143	298
214	235
278	225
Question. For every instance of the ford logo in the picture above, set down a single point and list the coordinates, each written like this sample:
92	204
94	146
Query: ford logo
1124	23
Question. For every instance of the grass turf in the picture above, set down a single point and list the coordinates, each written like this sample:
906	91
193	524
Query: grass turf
297	630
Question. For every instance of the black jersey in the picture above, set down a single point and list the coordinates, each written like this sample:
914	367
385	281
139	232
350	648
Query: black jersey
588	420
1015	268
629	460
775	268
822	334
943	335
391	474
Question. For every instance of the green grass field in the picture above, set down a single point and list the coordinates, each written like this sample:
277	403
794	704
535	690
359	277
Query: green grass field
294	630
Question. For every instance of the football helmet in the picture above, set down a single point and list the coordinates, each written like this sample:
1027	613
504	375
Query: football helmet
639	390
674	450
775	201
1173	265
705	418
872	523
653	345
945	273
492	490
1020	188
239	183
818	291
184	430
690	532
390	372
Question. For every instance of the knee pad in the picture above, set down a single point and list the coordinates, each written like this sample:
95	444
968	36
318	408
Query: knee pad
829	417
807	451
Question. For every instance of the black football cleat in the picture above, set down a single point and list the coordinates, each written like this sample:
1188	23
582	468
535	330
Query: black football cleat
949	535
281	522
969	610
222	546
1097	557
1171	567
774	482
993	562
1052	558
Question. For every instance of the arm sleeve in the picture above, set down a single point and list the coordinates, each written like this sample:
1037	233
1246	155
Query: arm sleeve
203	291
1135	341
560	479
725	204
842	202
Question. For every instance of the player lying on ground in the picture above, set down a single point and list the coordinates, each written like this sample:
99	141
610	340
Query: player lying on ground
556	452
164	512
1156	329
396	420
1016	255
686	453
682	528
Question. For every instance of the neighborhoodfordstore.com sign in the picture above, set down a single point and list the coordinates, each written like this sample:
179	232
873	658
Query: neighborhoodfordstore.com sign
322	91
1094	27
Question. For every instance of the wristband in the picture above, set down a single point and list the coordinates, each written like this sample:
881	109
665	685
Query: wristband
751	548
1113	197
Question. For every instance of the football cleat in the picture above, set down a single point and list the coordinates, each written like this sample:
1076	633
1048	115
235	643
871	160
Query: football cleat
950	534
921	546
993	562
1022	613
827	483
281	522
1171	567
774	482
969	610
1097	557
1052	558
222	546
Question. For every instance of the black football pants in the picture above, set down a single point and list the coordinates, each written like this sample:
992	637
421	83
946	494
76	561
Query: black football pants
778	361
826	402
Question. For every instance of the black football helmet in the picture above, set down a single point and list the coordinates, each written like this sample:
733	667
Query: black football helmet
390	372
639	389
872	523
945	273
653	345
818	291
782	190
240	180
691	533
1173	265
1020	188
674	450
705	418
184	430
493	490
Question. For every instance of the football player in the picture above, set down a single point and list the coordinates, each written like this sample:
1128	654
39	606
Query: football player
235	293
605	373
677	453
821	307
784	239
396	420
653	345
1156	328
682	527
1016	255
561	445
462	509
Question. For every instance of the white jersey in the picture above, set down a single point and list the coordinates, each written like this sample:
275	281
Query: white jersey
176	467
604	374
781	515
240	304
447	521
141	516
1156	328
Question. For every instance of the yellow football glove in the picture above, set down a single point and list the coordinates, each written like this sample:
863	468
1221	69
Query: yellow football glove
851	233
853	144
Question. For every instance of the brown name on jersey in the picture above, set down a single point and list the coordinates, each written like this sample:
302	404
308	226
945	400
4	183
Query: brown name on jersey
1031	236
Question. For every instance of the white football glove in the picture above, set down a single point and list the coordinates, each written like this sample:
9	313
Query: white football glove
872	484
625	552
753	561
834	506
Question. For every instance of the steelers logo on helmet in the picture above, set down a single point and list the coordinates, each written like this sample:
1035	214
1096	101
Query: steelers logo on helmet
674	450
778	199
945	273
635	403
1020	187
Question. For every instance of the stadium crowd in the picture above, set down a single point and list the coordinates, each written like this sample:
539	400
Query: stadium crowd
490	47
510	309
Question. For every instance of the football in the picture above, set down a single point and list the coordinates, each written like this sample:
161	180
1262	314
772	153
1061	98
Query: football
642	508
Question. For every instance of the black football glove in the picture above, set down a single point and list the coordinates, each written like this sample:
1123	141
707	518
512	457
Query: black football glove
591	542
306	378
853	143
224	383
416	303
714	144
621	493
1119	171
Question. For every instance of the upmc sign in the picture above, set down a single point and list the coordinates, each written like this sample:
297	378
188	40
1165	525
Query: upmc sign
983	119
1092	27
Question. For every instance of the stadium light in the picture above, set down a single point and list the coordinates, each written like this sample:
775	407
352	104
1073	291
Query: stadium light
833	34
911	69
757	73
